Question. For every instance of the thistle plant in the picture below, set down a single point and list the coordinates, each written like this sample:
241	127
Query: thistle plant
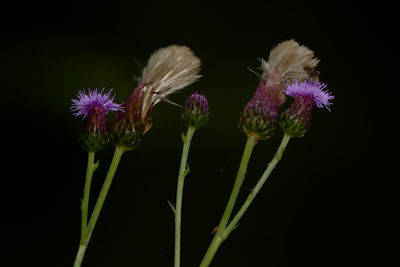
93	107
195	114
287	61
289	72
168	70
312	91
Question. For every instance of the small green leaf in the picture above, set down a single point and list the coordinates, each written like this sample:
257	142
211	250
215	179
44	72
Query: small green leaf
187	170
172	207
96	165
183	138
251	194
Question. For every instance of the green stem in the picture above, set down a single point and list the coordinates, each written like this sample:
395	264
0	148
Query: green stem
220	234
80	254
91	167
183	170
260	183
99	204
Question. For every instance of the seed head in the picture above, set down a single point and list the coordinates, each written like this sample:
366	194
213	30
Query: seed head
168	70
287	61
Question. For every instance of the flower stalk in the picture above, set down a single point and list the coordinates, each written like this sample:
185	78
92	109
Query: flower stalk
183	171
195	113
168	70
91	167
287	61
223	233
271	165
220	234
99	204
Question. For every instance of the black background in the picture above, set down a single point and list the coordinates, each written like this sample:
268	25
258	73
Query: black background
317	209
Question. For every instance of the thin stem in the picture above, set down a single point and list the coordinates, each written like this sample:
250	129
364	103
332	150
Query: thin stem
251	142
260	183
99	204
183	170
80	255
104	190
91	167
220	234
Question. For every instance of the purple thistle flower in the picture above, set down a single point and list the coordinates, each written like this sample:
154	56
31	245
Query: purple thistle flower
93	107
86	102
310	89
295	121
197	103
196	111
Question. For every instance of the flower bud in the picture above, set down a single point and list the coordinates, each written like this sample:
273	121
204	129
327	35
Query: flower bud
259	117
295	121
93	107
195	111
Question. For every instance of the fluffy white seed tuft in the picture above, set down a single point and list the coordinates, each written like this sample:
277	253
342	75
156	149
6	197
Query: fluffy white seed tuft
288	60
168	70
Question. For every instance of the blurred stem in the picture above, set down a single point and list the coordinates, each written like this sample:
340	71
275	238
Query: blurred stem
99	204
220	234
183	171
91	167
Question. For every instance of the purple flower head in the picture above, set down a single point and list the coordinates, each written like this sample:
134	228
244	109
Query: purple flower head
310	89
265	100
85	102
196	111
295	121
259	116
197	103
93	107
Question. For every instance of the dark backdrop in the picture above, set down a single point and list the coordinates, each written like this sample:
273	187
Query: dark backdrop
315	210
